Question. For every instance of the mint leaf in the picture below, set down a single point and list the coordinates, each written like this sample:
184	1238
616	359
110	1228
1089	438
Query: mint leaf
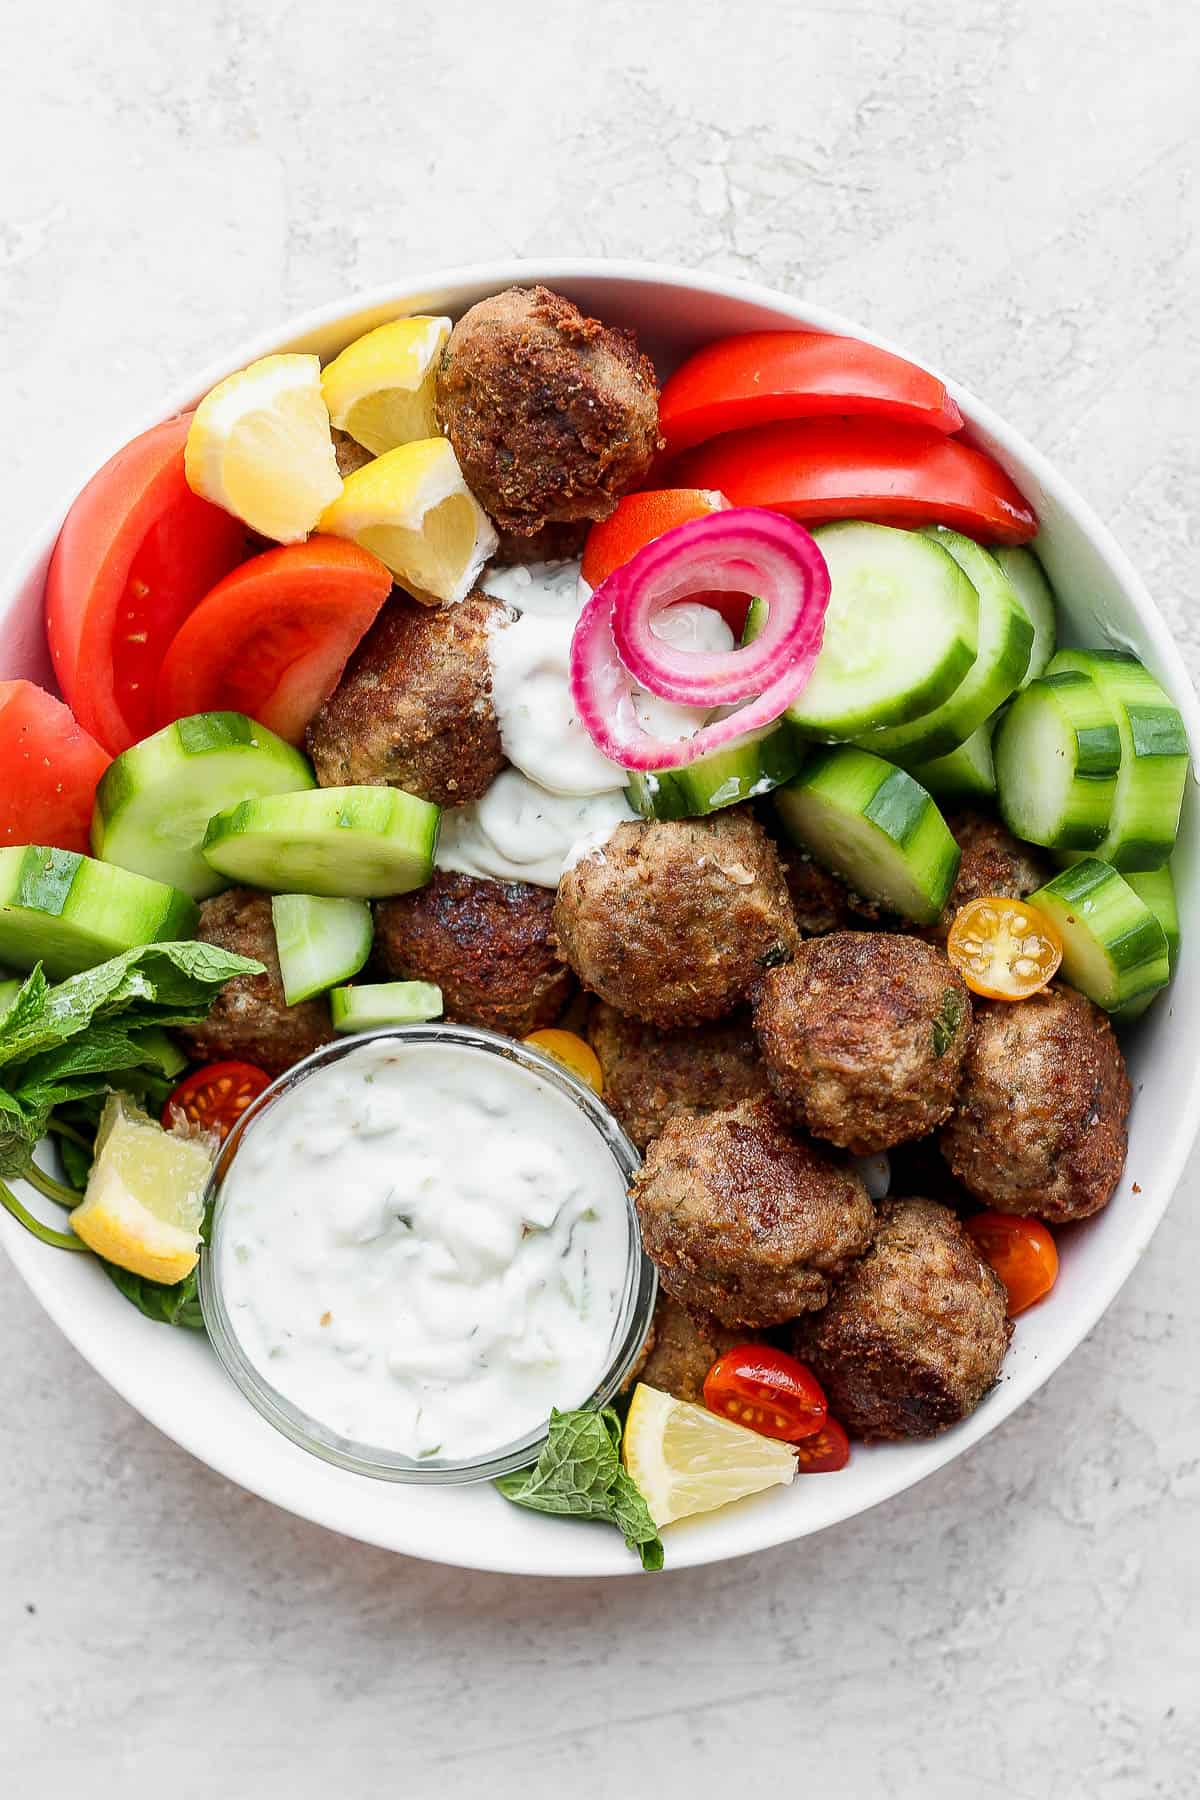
579	1475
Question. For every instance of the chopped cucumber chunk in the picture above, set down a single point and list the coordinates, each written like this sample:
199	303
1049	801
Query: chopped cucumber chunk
1114	949
1002	658
875	827
967	773
384	1003
70	912
1144	817
342	842
1036	595
154	802
742	771
900	634
319	942
1058	752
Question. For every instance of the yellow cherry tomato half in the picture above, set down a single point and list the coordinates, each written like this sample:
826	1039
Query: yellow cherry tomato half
1004	949
574	1052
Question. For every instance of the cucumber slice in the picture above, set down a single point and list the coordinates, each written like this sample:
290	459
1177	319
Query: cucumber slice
1036	595
1157	888
384	1003
900	634
743	771
1002	658
1144	820
154	802
968	773
319	942
875	827
1114	949
70	912
345	842
1058	753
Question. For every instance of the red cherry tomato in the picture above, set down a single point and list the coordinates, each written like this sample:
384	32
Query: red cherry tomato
136	553
1021	1251
49	768
273	637
763	376
215	1097
824	1452
767	1390
816	469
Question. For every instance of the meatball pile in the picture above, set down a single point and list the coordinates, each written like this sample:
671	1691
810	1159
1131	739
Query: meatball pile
651	1075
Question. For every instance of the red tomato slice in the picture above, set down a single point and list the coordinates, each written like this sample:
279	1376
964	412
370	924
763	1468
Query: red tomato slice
762	376
638	520
49	768
215	1097
863	469
136	553
273	638
767	1390
824	1452
1021	1251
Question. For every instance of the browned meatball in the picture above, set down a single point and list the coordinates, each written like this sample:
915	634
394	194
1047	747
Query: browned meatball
558	541
487	944
916	1332
674	921
350	456
413	709
553	416
650	1075
1040	1125
863	1036
250	1020
746	1221
684	1347
822	903
993	862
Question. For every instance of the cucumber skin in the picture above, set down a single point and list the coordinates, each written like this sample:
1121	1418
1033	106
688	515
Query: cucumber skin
46	881
1097	759
968	773
1139	955
1033	590
707	785
383	1003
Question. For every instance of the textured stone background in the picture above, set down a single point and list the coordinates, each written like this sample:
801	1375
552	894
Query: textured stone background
1005	185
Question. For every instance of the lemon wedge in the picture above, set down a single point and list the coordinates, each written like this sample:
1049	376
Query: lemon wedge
412	509
145	1195
687	1460
380	389
259	446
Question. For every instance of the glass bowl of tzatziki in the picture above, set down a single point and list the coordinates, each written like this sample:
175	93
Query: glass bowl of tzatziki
421	1244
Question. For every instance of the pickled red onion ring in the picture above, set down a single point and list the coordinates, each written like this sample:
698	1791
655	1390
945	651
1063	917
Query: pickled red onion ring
739	550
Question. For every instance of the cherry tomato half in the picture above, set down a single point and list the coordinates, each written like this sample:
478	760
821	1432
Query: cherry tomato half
763	376
215	1097
49	768
1004	949
1021	1251
767	1390
825	1452
574	1052
137	551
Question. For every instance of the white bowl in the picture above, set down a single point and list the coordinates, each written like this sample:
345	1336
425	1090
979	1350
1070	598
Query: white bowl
172	1377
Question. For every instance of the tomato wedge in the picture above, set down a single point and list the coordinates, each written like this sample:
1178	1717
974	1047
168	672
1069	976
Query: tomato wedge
215	1097
272	639
1004	949
137	551
862	469
1021	1251
767	1390
638	520
824	1452
763	376
49	768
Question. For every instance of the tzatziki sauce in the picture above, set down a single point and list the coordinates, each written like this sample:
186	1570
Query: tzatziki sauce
519	831
425	1248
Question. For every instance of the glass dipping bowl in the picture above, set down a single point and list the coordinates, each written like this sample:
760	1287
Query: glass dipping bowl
630	1327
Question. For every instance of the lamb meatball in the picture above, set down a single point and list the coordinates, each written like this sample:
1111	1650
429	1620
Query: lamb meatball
487	944
993	862
746	1221
558	541
916	1332
651	1075
350	456
674	921
684	1347
553	416
1040	1125
413	709
863	1037
250	1020
822	903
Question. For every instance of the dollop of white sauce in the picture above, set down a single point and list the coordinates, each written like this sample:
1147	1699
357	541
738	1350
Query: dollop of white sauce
425	1249
519	831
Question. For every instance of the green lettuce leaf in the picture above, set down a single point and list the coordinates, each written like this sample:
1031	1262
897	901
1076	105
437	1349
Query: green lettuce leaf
579	1475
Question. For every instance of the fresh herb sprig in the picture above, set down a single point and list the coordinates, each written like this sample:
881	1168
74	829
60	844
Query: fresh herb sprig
579	1475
